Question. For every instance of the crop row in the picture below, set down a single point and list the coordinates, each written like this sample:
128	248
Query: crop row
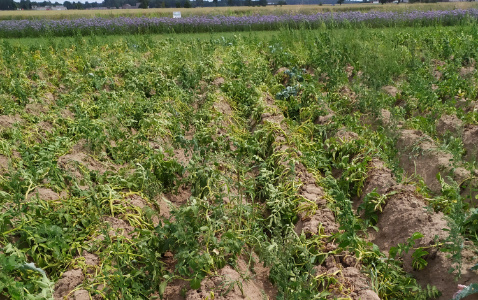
121	25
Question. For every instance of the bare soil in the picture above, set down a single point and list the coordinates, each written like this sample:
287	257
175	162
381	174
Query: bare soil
80	156
419	155
44	194
236	284
3	164
449	124
470	142
35	109
7	121
405	213
391	90
68	282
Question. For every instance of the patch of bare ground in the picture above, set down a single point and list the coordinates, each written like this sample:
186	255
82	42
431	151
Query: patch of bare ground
348	93
79	157
35	109
222	107
44	194
218	81
117	227
470	142
179	197
467	71
345	136
67	283
391	90
419	155
3	164
7	121
351	279
330	114
45	128
236	283
405	213
67	114
322	220
182	156
449	124
48	98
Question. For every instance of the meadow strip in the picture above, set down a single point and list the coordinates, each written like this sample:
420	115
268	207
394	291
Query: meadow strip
134	25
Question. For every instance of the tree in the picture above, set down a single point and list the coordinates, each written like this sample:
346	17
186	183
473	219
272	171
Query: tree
187	4
25	4
263	2
7	5
68	5
340	2
144	4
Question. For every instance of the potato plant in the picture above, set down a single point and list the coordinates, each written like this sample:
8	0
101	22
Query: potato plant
147	165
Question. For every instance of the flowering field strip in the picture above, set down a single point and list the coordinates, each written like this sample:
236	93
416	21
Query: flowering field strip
120	25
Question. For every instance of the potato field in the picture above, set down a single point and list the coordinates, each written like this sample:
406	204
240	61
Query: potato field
299	163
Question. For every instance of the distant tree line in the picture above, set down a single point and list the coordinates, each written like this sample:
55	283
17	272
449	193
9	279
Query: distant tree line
27	4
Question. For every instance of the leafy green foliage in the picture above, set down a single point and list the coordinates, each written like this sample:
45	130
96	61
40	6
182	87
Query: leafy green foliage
131	121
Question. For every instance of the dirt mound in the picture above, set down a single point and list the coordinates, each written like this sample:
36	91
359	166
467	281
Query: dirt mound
467	71
344	136
117	227
91	260
234	284
67	114
449	123
437	273
419	155
379	179
405	213
223	107
78	157
470	142
348	93
181	196
3	164
391	90
330	114
44	194
181	156
68	281
438	66
176	289
272	118
35	109
45	127
8	121
80	295
349	278
320	223
218	81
